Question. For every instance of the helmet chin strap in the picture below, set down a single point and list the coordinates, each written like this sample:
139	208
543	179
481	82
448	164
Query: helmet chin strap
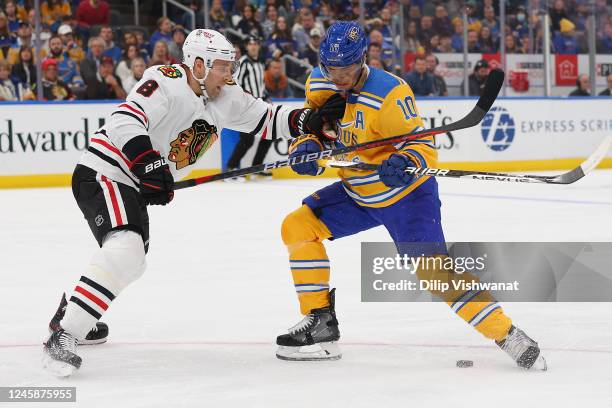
204	95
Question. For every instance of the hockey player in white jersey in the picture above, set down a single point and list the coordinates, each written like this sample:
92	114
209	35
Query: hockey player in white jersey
168	121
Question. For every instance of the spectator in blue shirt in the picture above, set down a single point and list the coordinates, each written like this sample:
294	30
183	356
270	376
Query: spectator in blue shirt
164	32
66	67
605	43
565	42
421	82
110	49
11	14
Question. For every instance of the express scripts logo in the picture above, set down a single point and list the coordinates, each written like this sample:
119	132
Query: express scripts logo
497	129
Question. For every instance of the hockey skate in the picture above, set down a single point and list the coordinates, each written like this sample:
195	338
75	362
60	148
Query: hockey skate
314	338
59	356
97	335
523	350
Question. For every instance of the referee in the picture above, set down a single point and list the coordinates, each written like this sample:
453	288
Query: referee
251	79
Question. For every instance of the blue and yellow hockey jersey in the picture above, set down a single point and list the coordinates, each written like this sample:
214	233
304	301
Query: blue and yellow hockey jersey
384	107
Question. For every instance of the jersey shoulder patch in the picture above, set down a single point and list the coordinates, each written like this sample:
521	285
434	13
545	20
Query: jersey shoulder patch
170	71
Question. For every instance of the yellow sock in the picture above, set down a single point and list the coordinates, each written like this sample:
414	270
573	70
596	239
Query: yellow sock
478	308
303	234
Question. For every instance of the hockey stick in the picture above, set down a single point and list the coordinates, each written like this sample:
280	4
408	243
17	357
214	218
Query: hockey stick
491	89
565	178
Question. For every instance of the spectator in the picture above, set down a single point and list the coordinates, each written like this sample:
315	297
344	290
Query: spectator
476	80
248	25
270	20
137	69
375	53
426	29
124	68
457	37
6	38
446	44
524	48
105	85
411	38
23	71
558	13
311	54
67	69
608	90
53	88
386	24
11	14
161	55
473	45
511	47
89	66
301	30
325	17
176	46
414	14
442	24
583	86
276	81
24	37
386	54
7	88
197	7
217	16
375	63
281	41
565	42
487	44
519	24
92	12
421	82
135	38
164	32
439	88
110	49
490	21
605	42
53	12
75	52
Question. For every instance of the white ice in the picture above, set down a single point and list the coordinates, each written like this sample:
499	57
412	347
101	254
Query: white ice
199	328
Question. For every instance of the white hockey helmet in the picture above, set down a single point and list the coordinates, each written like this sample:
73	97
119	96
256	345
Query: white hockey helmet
209	45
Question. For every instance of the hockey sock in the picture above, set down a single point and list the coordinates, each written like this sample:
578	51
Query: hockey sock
303	234
120	261
477	307
92	296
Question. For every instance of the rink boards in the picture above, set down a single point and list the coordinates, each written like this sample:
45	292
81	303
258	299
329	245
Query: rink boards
41	142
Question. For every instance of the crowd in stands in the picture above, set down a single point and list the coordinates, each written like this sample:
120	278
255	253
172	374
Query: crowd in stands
84	57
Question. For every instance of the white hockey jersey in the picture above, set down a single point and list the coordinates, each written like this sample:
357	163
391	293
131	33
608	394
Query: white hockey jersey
164	107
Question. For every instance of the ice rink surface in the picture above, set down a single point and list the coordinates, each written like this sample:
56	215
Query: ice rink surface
199	328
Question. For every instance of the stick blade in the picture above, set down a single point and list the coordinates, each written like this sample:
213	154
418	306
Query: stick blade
492	86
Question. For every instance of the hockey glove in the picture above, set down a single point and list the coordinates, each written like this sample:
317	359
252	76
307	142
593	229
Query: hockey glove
304	145
319	122
156	181
392	172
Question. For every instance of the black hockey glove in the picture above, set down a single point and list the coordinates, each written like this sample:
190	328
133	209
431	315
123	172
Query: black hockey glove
318	122
156	181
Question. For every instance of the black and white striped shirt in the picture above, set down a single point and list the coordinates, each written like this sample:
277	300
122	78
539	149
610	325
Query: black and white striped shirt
251	76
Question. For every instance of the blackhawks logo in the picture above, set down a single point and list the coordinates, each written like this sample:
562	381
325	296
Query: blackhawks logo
192	143
170	71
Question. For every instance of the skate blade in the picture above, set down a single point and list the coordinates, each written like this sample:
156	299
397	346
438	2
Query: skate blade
539	365
56	367
316	352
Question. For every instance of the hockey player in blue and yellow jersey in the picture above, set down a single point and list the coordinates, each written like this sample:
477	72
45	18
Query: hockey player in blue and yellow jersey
378	105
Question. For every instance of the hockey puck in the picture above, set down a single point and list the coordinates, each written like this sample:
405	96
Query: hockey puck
465	363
